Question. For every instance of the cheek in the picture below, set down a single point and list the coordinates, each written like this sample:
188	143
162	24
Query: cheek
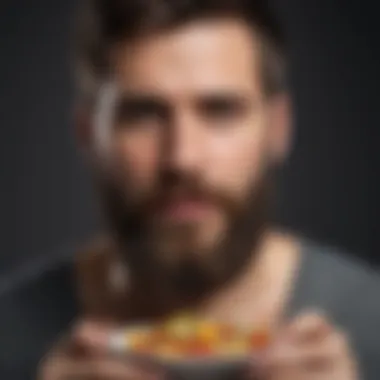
137	162
239	160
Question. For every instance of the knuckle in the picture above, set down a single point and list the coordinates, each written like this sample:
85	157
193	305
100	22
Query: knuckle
314	315
312	319
341	340
49	368
319	319
44	372
338	345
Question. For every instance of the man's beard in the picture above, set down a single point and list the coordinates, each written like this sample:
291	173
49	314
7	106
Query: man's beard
188	279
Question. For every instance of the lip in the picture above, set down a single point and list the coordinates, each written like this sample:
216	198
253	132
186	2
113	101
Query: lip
184	210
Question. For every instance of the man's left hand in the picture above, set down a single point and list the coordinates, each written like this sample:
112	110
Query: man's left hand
309	348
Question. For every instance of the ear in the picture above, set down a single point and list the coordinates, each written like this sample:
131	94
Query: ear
281	125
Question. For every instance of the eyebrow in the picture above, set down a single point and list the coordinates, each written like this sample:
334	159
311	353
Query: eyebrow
129	103
128	98
225	97
136	98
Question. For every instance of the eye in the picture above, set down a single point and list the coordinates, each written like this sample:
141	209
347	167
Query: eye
223	109
133	112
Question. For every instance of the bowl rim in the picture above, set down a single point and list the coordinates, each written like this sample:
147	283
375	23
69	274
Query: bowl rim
118	344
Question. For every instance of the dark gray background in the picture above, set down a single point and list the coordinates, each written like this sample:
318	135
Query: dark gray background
328	189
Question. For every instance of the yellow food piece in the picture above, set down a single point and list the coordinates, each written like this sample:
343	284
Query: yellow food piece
136	339
237	347
208	332
181	326
168	352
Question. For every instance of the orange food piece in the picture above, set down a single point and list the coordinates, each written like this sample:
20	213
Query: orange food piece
168	351
198	348
157	336
234	348
209	333
259	340
143	348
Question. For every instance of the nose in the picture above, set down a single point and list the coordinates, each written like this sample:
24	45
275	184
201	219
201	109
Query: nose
184	144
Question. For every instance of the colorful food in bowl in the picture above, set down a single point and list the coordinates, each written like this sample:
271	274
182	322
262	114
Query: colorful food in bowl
186	337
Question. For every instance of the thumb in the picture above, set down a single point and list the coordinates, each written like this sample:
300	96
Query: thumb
93	336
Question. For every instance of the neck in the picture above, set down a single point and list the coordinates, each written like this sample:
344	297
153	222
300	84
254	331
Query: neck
258	292
262	291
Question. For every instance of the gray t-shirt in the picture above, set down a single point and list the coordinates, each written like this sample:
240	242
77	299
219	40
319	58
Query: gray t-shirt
34	314
348	293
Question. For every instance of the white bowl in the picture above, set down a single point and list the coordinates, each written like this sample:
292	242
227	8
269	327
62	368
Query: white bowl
192	368
207	368
198	368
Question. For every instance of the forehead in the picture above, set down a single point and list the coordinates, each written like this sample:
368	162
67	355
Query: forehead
201	56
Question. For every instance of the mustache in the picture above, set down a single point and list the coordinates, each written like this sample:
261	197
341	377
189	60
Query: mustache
125	208
186	188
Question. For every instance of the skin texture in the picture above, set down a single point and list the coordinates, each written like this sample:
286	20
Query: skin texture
194	109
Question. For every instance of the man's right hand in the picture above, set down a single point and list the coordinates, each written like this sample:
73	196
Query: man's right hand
85	356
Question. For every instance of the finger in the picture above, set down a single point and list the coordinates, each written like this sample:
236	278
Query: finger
116	370
307	327
100	339
321	355
97	369
92	336
265	371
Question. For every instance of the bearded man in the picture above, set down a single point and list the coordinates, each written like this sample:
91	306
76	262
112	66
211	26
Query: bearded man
184	116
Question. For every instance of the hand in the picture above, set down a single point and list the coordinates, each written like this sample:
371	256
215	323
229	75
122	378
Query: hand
308	349
84	356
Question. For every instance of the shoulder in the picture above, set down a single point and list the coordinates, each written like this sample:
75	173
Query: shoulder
342	275
344	283
40	301
36	302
